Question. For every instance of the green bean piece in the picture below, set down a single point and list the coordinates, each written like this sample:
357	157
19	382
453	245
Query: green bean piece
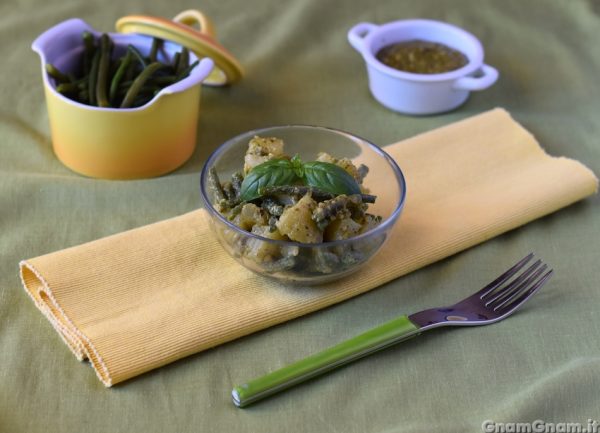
82	83
272	206
89	50
114	85
138	83
56	74
154	49
103	68
124	85
184	62
83	96
149	89
296	190
131	81
235	211
236	181
229	192
130	73
165	79
214	184
338	207
301	190
114	67
176	61
368	198
138	56
187	70
88	39
273	223
363	170
67	88
142	100
93	78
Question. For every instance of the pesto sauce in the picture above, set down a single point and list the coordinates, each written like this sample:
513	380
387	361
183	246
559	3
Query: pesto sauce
421	57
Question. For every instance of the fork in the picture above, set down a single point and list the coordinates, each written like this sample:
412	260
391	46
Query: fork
496	301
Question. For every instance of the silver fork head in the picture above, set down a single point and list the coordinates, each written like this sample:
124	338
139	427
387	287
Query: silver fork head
496	301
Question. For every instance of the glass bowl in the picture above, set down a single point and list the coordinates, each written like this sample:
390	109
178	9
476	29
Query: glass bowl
303	263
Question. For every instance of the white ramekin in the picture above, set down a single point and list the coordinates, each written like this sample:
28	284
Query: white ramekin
411	93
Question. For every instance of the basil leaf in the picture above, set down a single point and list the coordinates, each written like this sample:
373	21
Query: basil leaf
330	177
275	172
298	166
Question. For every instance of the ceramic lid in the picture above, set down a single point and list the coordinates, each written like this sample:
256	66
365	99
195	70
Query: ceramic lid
179	30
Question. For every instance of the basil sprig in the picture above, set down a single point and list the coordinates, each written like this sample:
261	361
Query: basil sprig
275	172
281	172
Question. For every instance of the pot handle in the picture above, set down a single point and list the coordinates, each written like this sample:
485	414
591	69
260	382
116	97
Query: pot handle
358	33
195	18
488	76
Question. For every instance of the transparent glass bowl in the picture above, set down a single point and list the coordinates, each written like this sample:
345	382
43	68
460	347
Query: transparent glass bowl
308	263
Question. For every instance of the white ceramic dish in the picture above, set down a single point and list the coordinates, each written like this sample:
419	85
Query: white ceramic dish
419	94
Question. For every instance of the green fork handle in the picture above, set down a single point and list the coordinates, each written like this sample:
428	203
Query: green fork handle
347	351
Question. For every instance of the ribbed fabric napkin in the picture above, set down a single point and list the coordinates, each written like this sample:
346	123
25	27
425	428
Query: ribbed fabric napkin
141	299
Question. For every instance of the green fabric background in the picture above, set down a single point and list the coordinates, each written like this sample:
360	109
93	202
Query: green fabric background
543	363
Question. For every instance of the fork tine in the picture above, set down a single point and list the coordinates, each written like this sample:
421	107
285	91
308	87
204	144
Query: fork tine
505	276
520	289
508	289
528	294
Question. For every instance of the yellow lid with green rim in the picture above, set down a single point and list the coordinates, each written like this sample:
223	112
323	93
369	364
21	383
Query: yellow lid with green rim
202	42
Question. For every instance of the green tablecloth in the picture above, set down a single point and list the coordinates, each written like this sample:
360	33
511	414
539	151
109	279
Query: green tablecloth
543	363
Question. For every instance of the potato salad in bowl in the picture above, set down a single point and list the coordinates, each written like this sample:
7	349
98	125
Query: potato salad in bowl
293	203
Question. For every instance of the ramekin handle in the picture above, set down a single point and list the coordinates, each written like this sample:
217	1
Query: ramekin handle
489	75
195	18
358	33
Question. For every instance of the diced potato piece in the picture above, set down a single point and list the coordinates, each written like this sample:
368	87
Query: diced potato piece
280	265
325	261
262	149
344	163
370	222
341	229
325	157
347	165
249	216
297	224
261	251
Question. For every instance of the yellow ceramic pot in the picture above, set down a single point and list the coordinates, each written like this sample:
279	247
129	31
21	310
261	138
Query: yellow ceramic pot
115	143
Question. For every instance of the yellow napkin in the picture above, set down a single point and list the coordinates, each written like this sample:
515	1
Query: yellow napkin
140	299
